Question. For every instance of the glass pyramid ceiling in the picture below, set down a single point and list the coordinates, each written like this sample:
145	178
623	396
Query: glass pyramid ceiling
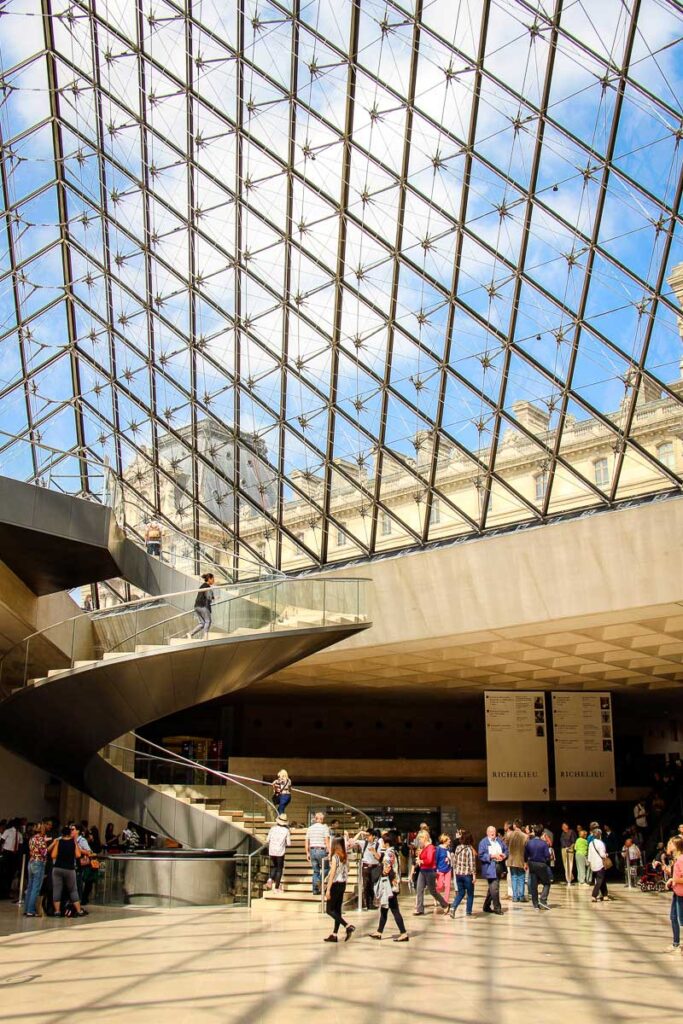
319	279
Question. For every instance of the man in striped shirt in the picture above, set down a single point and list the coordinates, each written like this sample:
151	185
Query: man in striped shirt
317	844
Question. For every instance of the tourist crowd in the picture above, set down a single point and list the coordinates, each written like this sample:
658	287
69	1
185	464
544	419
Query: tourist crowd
60	864
525	859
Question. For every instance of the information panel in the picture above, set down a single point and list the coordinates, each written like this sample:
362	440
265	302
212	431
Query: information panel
516	745
584	746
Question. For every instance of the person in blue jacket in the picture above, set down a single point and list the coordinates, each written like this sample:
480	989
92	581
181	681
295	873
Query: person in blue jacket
538	859
492	852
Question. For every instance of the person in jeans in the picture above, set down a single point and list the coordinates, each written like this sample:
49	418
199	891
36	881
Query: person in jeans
516	839
38	848
538	859
597	852
279	838
282	790
317	845
426	858
674	850
389	887
464	869
567	846
493	851
64	853
202	606
335	889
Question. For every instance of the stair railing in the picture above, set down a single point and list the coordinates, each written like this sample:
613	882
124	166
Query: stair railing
83	637
321	798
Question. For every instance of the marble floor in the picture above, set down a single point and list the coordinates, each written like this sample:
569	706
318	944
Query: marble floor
597	962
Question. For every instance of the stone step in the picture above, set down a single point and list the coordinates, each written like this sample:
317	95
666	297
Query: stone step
84	664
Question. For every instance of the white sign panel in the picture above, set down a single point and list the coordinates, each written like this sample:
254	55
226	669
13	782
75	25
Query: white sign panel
516	745
584	746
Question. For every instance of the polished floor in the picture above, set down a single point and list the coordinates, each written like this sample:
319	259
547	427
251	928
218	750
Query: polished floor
603	962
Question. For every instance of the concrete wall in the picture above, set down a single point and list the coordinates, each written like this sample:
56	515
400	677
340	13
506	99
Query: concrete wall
23	789
601	564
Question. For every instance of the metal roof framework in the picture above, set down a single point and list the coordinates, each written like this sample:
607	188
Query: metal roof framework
360	232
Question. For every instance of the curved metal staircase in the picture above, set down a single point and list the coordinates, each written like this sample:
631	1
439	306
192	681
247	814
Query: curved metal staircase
243	803
132	664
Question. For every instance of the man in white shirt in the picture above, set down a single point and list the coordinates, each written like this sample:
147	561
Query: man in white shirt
597	853
279	838
9	862
317	845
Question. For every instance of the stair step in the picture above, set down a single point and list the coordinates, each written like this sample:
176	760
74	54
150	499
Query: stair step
115	654
292	897
83	664
145	648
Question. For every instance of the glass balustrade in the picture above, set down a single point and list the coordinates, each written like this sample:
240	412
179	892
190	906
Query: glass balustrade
140	626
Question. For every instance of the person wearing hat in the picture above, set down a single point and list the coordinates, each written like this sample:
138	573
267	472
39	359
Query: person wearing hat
279	838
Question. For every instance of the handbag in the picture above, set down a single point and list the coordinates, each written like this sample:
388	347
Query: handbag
501	869
607	863
94	864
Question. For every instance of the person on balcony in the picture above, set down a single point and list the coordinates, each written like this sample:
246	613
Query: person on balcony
153	538
282	790
279	838
202	606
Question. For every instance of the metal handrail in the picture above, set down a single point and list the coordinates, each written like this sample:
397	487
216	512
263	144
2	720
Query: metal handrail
187	762
188	611
259	782
128	606
98	613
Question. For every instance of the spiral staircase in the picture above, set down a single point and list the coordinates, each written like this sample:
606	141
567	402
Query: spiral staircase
77	686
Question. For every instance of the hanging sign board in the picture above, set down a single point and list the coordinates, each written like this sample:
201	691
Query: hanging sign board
584	746
516	745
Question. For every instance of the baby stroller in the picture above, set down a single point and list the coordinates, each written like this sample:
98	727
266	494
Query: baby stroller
652	879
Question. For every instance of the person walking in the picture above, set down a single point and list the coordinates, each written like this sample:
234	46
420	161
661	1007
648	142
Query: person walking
444	867
538	859
567	847
516	839
282	790
38	846
492	853
464	870
581	857
674	882
426	858
64	853
388	888
370	865
335	889
279	838
202	606
598	863
317	846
